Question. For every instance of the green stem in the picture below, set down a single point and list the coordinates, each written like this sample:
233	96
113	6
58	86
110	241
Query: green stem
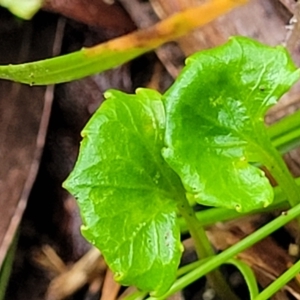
204	250
221	258
138	295
276	165
202	244
279	283
188	268
6	269
248	276
211	216
285	134
288	141
284	126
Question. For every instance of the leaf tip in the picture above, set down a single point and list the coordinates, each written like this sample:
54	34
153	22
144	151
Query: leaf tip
267	203
119	276
238	208
108	94
181	247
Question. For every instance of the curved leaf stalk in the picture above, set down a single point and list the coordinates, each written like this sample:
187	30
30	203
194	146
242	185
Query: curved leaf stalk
248	275
223	257
245	270
204	250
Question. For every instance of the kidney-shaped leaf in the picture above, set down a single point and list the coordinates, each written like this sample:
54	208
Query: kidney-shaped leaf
215	113
126	191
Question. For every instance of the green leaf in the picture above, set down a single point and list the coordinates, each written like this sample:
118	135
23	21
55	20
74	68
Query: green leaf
127	192
24	9
215	129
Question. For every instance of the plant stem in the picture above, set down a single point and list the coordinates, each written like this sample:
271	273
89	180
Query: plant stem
248	276
280	282
221	258
284	126
285	134
138	295
210	216
276	165
288	141
6	269
204	250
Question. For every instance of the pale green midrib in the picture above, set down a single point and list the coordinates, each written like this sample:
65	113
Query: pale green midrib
130	239
141	187
157	160
244	138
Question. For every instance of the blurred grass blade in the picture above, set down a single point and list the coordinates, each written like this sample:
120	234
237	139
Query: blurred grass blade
24	9
117	51
6	268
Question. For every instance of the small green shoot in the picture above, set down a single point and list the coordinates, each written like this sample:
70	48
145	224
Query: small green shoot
142	154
